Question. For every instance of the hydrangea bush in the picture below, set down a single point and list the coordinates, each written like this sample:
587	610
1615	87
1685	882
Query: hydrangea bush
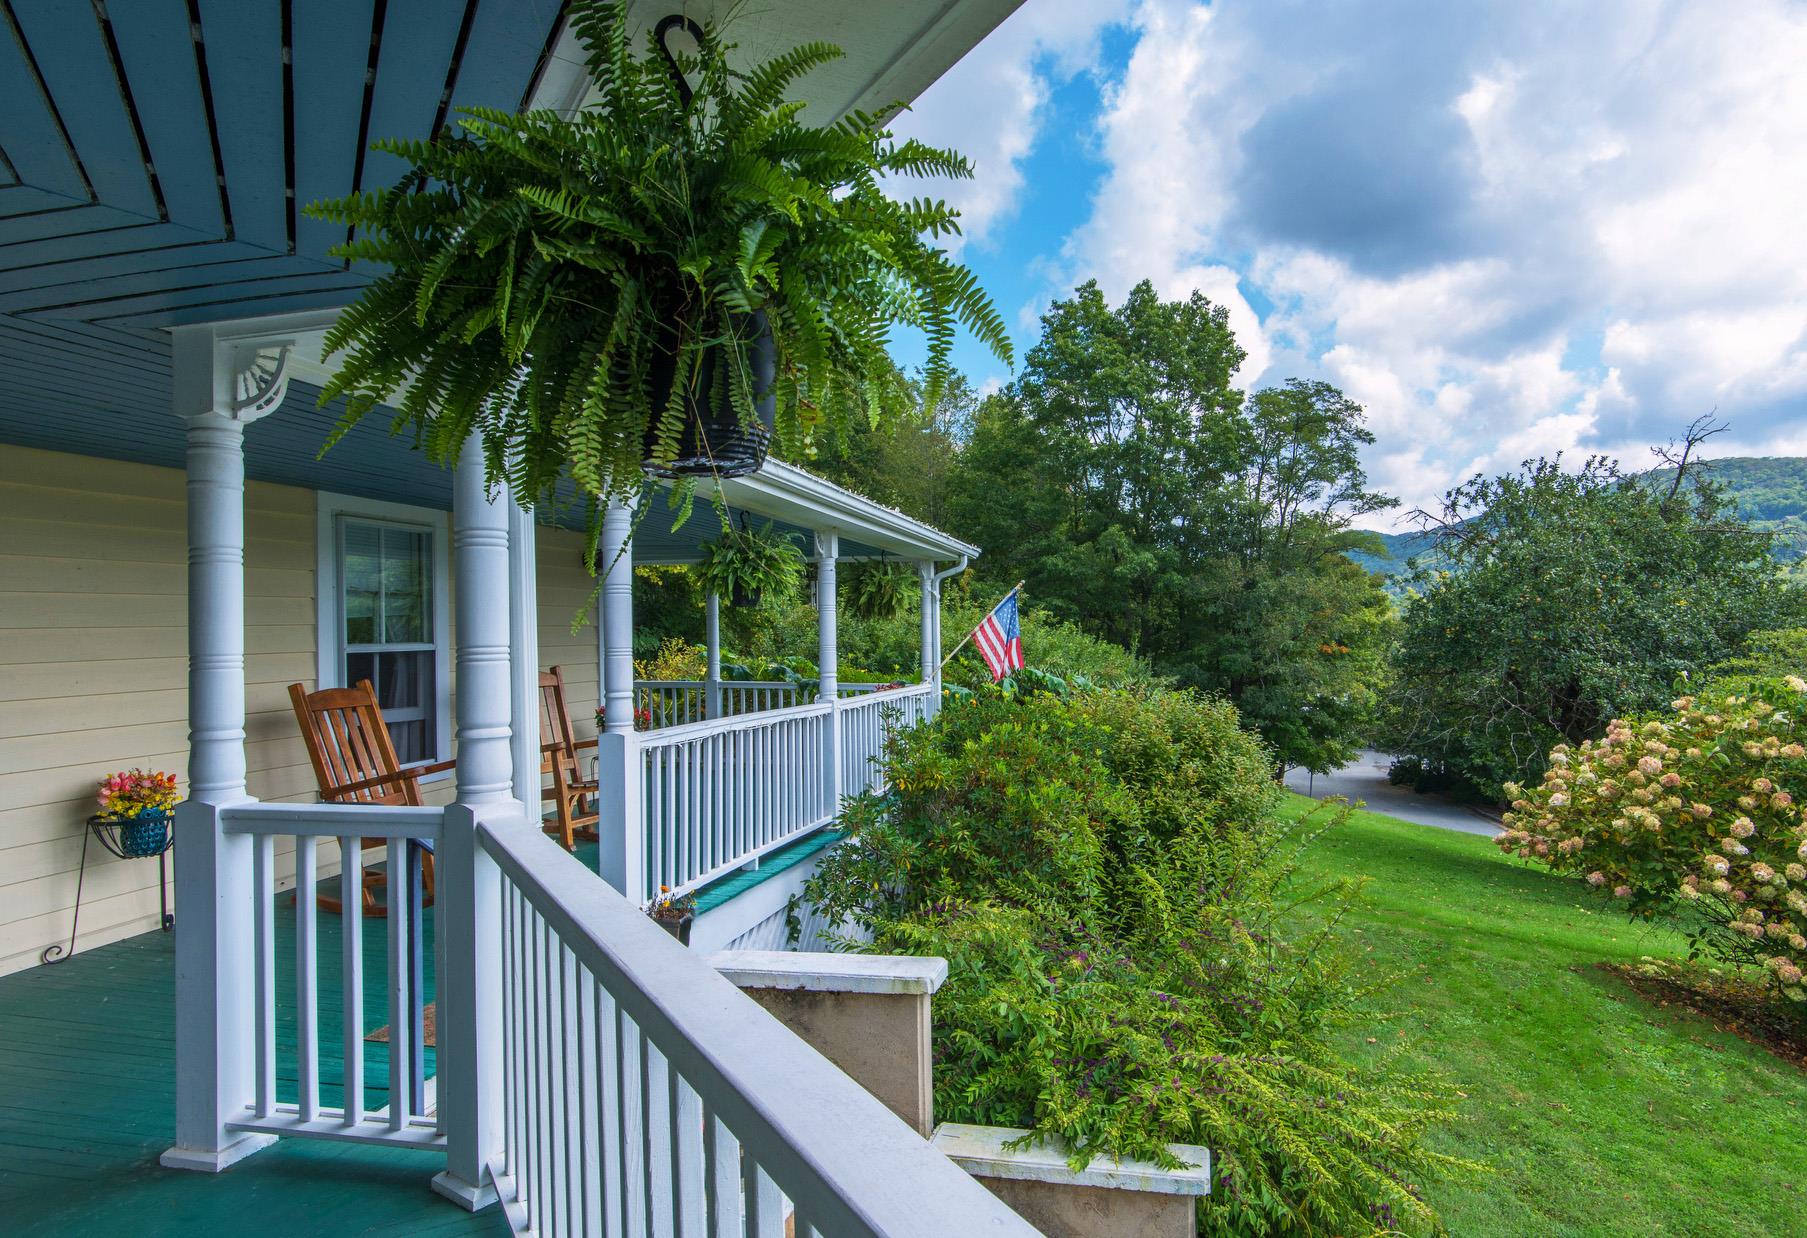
1698	809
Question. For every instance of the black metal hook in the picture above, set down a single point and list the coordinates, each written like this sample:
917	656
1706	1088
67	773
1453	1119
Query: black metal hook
666	26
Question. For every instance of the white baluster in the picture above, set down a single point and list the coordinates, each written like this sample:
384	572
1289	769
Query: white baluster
264	938
351	972
307	987
401	990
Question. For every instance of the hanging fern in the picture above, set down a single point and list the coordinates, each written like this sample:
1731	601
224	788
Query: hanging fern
539	264
751	561
881	589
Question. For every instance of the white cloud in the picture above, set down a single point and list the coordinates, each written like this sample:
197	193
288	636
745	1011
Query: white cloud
1508	232
991	106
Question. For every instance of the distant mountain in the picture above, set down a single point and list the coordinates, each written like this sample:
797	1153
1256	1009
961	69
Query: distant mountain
1770	491
1400	548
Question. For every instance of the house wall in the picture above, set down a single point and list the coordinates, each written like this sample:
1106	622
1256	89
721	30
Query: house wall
93	670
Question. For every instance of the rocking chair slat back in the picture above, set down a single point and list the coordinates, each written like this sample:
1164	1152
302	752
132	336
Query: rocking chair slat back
555	722
573	796
348	743
354	762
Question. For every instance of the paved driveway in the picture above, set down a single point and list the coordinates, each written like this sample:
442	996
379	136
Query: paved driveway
1365	780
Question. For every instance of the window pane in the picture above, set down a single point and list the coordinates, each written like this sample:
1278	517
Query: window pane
363	580
404	692
407	587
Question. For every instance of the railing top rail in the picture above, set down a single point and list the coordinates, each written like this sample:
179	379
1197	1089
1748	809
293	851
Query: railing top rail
332	820
668	736
828	1143
897	693
751	683
726	683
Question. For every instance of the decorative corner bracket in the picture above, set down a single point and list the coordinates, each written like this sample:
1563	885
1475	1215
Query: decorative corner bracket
260	377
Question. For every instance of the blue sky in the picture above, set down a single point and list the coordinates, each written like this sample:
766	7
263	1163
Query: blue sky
1507	230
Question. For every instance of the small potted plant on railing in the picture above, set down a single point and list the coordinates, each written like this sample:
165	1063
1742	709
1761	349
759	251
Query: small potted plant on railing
135	806
674	913
743	564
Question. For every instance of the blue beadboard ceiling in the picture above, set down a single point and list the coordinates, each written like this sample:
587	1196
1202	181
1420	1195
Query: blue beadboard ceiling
154	157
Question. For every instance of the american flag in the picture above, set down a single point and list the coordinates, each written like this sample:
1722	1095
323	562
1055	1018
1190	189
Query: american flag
999	639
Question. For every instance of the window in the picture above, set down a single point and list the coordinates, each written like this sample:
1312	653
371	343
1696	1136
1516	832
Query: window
382	616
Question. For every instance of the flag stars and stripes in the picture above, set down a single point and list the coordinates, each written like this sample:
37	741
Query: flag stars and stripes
999	638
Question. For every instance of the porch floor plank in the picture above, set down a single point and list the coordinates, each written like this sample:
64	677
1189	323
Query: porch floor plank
87	1103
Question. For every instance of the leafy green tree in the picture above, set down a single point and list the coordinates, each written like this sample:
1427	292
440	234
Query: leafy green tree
906	460
1564	599
1137	493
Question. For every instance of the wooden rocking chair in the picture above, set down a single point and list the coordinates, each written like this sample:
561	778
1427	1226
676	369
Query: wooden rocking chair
558	757
354	763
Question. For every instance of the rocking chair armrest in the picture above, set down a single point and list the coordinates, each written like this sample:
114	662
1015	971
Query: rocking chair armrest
587	743
399	778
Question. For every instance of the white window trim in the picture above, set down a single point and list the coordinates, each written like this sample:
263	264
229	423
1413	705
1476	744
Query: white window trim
329	631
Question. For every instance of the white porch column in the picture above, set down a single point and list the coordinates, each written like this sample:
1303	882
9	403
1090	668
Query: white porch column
215	969
828	676
468	896
712	641
621	826
931	656
524	655
615	560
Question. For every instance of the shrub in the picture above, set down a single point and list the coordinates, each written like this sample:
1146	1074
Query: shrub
1773	651
1694	809
1105	876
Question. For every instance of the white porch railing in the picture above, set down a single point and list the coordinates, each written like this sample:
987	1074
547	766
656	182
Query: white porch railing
405	1120
865	725
717	795
720	793
643	1094
676	702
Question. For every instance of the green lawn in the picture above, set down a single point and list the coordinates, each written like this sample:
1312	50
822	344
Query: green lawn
1596	1112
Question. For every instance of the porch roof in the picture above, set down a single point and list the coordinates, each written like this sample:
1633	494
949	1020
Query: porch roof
152	170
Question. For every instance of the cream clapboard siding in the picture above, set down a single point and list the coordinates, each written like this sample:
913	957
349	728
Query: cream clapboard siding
93	670
565	586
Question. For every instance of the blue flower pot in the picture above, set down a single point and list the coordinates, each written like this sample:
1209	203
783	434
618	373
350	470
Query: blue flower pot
145	835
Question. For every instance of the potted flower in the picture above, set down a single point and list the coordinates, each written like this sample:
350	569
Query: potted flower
643	718
742	564
594	293
674	914
135	806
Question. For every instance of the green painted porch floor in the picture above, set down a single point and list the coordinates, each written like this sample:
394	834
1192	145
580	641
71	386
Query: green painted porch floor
87	1088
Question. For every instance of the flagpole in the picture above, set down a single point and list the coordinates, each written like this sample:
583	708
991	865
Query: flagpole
969	635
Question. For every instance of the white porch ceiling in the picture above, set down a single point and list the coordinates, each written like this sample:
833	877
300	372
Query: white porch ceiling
894	49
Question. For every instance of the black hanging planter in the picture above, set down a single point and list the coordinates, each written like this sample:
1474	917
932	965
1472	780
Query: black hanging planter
745	599
714	440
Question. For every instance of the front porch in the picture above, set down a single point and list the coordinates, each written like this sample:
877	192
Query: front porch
87	1101
184	556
